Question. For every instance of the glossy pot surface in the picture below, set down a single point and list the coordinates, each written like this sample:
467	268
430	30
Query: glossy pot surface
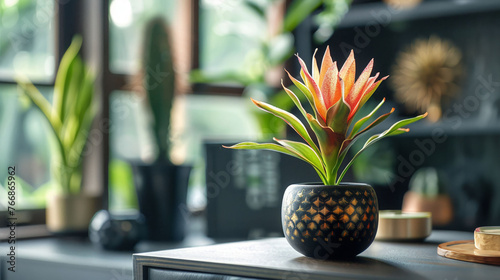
329	222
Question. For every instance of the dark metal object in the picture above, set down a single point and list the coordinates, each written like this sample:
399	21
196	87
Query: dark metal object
116	232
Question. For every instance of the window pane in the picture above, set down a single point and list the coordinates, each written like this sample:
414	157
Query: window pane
27	39
194	119
230	35
130	141
25	144
127	19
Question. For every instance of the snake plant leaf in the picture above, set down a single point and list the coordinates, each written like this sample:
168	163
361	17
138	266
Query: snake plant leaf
41	103
86	95
44	106
80	137
357	126
289	118
76	123
75	85
70	120
63	78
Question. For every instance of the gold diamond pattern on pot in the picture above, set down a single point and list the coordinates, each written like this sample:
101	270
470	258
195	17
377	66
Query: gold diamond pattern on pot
334	215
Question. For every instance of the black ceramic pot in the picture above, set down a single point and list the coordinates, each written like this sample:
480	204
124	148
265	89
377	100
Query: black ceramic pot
330	222
161	193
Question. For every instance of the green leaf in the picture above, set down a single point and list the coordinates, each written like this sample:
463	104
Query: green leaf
298	11
295	100
44	106
330	143
41	103
347	144
305	90
75	86
63	78
305	152
357	126
395	129
262	146
375	123
80	137
81	113
290	119
276	148
404	122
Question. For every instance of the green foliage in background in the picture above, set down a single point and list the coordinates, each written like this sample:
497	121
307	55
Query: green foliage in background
428	182
274	51
158	81
121	187
27	197
70	115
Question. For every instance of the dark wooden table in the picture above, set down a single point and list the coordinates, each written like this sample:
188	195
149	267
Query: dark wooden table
275	259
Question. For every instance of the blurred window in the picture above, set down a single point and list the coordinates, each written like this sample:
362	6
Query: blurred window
27	39
25	144
127	19
27	46
230	35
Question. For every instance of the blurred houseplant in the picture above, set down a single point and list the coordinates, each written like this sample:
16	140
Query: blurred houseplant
345	214
70	117
273	51
427	193
161	186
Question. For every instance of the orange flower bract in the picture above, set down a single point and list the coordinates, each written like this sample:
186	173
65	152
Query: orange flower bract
326	86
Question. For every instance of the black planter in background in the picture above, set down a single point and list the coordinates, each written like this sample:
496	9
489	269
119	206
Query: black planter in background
245	188
161	192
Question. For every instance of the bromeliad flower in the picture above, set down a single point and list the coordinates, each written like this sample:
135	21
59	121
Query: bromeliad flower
336	96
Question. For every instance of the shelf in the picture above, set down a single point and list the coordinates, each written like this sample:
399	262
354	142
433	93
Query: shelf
446	127
382	14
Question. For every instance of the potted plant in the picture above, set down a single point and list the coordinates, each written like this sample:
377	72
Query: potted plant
161	185
331	219
70	116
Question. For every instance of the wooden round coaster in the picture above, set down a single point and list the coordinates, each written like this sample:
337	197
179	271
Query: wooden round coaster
466	251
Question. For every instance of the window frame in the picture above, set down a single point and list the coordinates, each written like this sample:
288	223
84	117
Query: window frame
70	18
218	88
